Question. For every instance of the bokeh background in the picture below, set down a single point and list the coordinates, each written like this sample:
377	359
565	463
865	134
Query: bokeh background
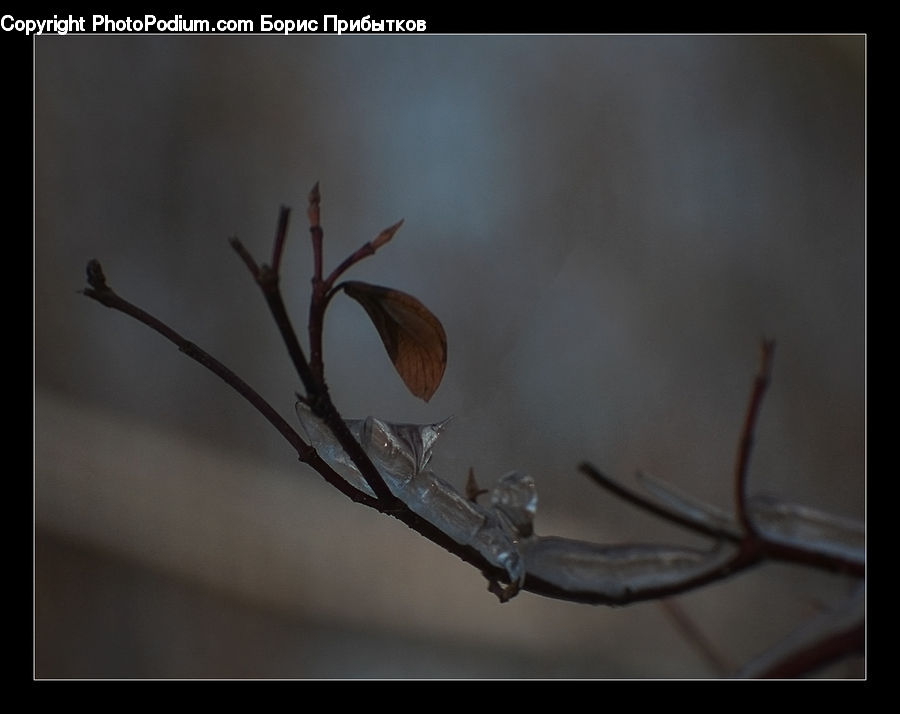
605	225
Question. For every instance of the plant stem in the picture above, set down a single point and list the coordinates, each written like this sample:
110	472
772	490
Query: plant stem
760	383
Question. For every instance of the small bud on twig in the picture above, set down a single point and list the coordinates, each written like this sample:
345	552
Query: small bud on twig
386	235
313	210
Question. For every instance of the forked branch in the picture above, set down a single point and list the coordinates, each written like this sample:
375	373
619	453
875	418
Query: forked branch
384	466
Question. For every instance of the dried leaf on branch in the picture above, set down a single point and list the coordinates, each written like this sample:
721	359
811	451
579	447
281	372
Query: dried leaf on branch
413	337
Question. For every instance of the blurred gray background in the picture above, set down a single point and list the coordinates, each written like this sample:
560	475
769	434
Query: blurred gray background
605	225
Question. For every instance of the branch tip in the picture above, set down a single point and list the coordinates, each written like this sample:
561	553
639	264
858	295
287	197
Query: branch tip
239	248
745	445
752	547
651	506
95	277
386	235
767	351
284	215
313	210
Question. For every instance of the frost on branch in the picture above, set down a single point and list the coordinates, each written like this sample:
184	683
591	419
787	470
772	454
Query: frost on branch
503	533
401	453
777	521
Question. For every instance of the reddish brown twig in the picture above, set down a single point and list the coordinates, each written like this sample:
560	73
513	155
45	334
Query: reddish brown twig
100	291
311	373
689	629
280	238
364	251
323	288
753	547
826	651
760	383
268	279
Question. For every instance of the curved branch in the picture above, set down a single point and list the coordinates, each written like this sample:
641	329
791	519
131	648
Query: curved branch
364	251
827	638
311	374
100	291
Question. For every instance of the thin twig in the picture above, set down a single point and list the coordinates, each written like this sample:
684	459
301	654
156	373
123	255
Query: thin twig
280	236
315	230
760	383
365	251
100	291
650	506
267	279
752	549
316	389
826	651
246	257
689	629
318	302
802	556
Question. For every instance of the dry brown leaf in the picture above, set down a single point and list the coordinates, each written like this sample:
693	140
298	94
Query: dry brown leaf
413	337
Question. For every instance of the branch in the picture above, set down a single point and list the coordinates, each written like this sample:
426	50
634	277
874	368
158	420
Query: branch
623	574
829	650
656	509
100	291
500	541
280	238
365	251
689	629
756	539
760	383
267	278
312	377
827	638
318	303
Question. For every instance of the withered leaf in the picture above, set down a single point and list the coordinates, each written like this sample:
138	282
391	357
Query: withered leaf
413	337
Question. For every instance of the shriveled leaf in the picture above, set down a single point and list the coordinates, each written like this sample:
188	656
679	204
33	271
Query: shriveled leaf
413	337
